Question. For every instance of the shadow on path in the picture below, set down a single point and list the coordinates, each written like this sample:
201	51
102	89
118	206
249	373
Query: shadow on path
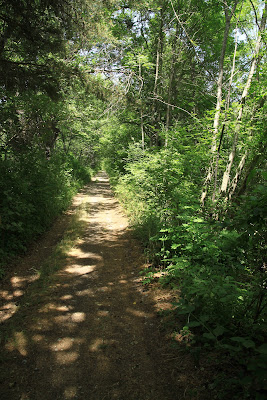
94	334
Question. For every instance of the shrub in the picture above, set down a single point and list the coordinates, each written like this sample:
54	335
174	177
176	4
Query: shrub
34	191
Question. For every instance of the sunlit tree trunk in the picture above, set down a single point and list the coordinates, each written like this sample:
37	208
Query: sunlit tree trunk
141	106
226	176
211	170
170	83
227	105
157	83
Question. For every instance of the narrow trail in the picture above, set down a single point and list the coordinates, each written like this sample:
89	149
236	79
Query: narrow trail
94	334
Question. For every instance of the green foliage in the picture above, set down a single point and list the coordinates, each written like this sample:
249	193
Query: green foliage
144	101
34	191
216	263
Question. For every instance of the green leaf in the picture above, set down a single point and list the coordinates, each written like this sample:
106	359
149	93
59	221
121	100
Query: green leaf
209	336
193	324
186	309
231	348
248	343
204	318
262	349
237	339
219	330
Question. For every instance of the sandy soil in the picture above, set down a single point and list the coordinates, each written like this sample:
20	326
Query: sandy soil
95	332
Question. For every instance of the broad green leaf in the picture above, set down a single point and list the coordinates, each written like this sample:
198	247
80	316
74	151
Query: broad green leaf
204	318
209	336
248	344
262	349
193	324
237	339
219	330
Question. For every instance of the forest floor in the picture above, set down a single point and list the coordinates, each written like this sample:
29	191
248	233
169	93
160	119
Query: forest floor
93	331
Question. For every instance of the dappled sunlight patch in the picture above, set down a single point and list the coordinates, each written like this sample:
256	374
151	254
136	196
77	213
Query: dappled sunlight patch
63	357
96	345
55	307
37	338
17	290
84	277
70	392
182	336
103	313
85	292
66	297
99	344
63	285
5	294
24	396
10	308
18	293
18	342
164	299
20	281
61	344
77	252
100	178
123	281
7	311
139	313
63	308
78	317
104	289
79	270
163	306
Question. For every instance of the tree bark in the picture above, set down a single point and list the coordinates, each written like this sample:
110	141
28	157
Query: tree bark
172	70
226	176
141	106
156	90
211	170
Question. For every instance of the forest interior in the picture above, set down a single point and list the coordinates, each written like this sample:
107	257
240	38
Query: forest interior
133	199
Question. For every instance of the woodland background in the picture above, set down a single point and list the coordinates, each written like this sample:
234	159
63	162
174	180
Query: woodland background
170	98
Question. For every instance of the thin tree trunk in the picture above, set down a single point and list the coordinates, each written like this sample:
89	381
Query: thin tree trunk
168	111
142	128
237	175
158	73
228	17
254	61
216	120
157	69
227	105
248	172
226	176
141	106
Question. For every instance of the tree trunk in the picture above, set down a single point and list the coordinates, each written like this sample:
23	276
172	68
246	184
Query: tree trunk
141	106
172	70
156	90
211	170
226	176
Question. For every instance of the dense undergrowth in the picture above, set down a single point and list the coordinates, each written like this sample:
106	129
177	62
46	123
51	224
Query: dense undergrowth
173	96
215	259
34	191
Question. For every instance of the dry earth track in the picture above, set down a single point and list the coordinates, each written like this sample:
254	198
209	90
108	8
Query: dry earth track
94	333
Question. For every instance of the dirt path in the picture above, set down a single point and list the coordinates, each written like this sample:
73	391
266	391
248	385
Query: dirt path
95	333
